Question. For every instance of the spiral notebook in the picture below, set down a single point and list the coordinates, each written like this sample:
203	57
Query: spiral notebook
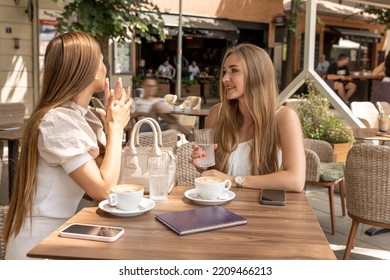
200	220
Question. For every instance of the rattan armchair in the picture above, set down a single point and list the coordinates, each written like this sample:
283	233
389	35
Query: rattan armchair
11	113
169	139
3	214
319	156
367	178
186	172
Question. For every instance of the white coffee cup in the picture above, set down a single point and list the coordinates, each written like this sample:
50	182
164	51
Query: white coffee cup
211	187
126	197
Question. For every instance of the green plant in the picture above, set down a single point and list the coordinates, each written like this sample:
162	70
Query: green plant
214	87
137	81
317	121
113	19
187	84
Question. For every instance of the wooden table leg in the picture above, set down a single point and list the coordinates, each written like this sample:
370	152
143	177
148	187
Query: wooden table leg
13	155
202	92
202	121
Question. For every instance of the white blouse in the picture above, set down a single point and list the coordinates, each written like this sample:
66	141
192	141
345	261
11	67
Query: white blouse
239	162
67	139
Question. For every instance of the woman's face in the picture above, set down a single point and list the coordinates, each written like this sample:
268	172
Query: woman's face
233	77
101	75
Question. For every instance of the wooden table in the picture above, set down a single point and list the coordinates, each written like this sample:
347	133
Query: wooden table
272	232
370	134
202	114
7	132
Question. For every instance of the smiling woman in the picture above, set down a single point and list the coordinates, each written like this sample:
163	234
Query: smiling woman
258	144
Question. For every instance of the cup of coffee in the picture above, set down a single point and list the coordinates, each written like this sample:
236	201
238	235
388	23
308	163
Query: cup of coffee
126	197
211	187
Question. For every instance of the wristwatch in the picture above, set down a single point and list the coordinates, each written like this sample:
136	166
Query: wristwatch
239	180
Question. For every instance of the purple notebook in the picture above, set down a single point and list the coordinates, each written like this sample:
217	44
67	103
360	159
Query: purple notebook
200	219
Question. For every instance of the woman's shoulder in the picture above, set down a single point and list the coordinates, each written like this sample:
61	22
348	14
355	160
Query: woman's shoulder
285	114
213	116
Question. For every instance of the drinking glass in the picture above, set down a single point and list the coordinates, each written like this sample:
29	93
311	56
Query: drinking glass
204	139
158	178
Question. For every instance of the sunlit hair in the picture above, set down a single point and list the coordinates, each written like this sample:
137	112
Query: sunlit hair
261	99
71	62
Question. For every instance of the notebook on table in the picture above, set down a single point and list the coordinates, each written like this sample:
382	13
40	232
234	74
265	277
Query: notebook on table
200	220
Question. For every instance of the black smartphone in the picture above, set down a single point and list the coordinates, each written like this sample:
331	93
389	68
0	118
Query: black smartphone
273	197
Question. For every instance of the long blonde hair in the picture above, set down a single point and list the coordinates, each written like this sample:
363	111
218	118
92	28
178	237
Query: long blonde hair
261	99
71	63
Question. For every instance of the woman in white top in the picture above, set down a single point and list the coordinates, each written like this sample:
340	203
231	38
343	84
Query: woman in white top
257	144
65	152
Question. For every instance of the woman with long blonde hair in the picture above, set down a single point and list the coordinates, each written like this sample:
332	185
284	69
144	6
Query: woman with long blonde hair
65	152
258	144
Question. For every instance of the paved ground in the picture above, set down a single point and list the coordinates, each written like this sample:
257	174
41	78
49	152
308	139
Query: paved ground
366	247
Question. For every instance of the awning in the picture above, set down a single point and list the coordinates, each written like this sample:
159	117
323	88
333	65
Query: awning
357	34
205	27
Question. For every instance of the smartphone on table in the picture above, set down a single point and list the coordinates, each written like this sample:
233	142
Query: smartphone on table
92	232
273	197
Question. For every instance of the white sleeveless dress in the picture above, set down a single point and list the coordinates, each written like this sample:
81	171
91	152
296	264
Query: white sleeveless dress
239	162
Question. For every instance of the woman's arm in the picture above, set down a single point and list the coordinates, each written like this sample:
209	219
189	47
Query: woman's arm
379	69
95	180
292	177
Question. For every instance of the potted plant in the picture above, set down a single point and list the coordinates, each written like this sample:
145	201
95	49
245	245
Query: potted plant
137	85
319	123
187	85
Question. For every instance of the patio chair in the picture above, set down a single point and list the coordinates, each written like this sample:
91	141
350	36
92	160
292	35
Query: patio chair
170	98
11	113
366	111
186	172
367	178
380	91
322	171
190	121
169	139
3	214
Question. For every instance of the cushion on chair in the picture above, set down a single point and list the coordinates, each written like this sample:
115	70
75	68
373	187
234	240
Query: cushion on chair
331	171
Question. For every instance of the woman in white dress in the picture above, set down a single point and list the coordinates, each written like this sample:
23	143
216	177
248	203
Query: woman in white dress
257	144
65	152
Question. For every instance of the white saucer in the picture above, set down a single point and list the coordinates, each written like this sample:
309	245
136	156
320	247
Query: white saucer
145	205
193	195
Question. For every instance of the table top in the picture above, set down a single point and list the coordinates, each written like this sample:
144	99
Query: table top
272	232
11	132
370	134
198	113
367	77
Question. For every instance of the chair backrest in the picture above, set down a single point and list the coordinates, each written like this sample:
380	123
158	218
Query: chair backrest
195	102
186	172
386	107
12	113
367	111
170	98
380	91
323	149
97	103
367	179
3	215
190	121
169	139
312	166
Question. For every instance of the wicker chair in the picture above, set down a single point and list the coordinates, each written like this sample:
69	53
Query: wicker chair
169	139
170	98
190	121
3	214
186	172
367	178
319	159
11	113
